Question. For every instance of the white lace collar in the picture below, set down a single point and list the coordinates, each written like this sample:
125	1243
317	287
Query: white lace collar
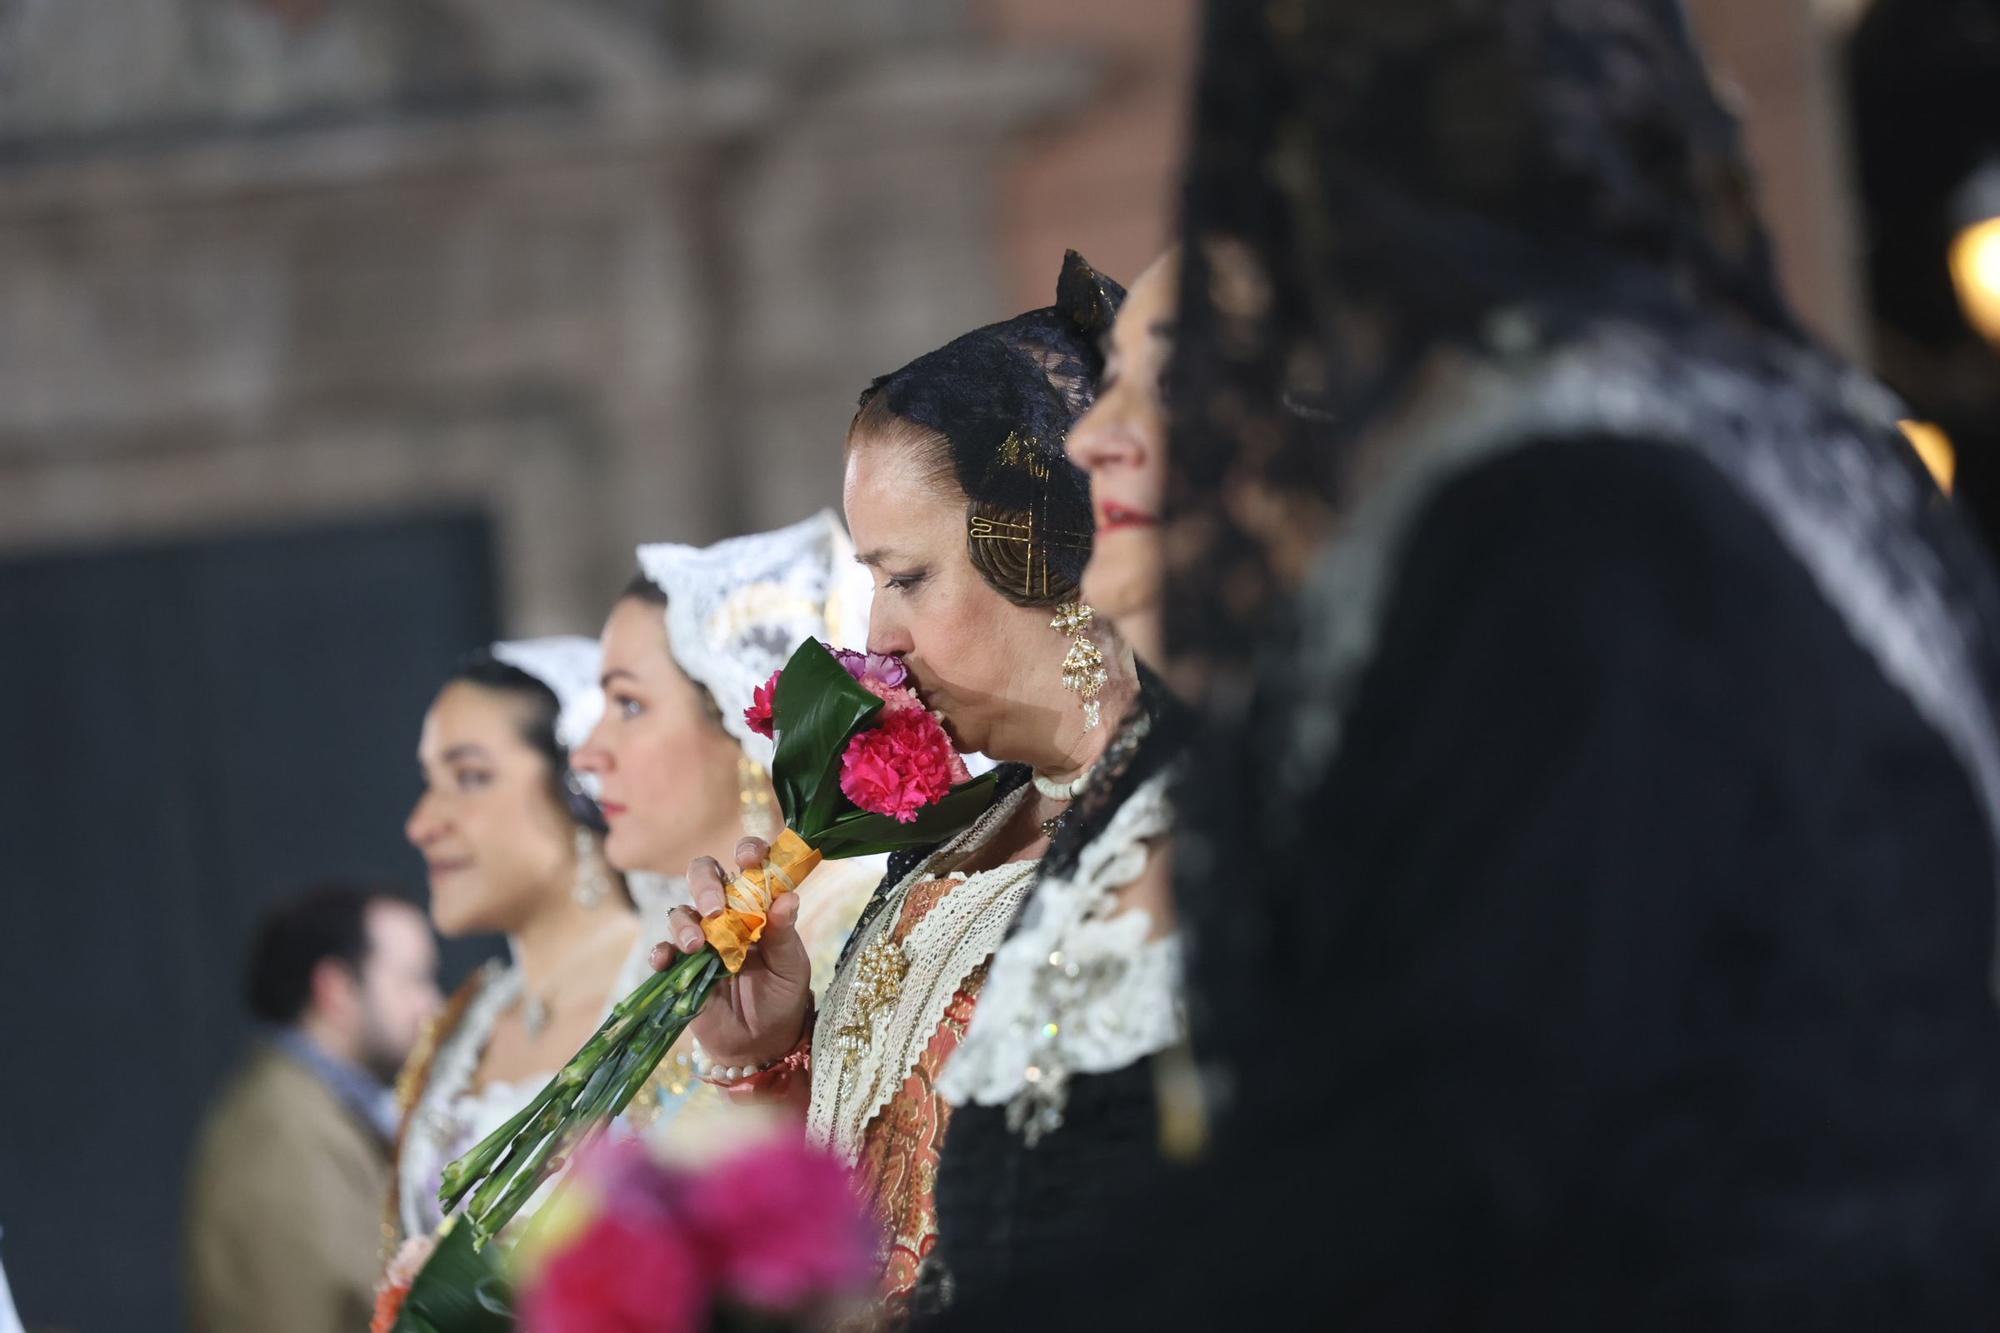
953	939
1078	988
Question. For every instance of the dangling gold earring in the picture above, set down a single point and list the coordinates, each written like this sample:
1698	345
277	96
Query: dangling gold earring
1083	672
760	811
593	880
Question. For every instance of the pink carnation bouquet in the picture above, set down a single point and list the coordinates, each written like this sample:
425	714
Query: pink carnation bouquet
899	766
860	767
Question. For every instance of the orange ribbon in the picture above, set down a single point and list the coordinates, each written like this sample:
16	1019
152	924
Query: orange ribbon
748	898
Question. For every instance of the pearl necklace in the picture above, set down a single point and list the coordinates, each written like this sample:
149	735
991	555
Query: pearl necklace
1063	791
1060	791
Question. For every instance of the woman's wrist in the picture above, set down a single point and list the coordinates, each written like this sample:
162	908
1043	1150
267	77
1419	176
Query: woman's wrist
748	1074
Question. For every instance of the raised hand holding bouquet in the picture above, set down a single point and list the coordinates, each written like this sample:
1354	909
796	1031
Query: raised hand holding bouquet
860	767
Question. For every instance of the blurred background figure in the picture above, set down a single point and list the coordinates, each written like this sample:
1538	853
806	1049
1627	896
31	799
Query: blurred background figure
284	1222
1600	781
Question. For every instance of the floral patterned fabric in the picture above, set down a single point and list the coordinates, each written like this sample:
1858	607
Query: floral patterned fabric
899	1154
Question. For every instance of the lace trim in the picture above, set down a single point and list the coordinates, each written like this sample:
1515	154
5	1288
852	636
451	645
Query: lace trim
1844	510
953	939
1078	988
452	1069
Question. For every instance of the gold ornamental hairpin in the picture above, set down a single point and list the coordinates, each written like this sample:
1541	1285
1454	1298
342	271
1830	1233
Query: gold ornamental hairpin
1029	529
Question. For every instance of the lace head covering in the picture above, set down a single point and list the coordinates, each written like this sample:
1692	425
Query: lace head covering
737	610
1372	178
1005	396
569	665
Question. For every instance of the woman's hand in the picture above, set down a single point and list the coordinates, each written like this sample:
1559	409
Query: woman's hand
759	1014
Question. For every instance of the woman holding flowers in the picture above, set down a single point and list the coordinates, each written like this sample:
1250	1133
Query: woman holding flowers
976	528
676	763
668	770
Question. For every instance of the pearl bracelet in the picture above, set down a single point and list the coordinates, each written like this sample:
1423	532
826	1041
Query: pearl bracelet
743	1077
726	1073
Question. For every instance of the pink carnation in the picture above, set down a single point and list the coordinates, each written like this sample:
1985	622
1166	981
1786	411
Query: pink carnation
759	714
624	1272
781	1227
900	766
895	698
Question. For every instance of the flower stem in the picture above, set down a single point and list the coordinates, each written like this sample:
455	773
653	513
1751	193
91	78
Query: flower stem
539	1131
597	1083
464	1173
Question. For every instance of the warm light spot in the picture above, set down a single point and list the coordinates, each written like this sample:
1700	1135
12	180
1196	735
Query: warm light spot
1975	272
1934	447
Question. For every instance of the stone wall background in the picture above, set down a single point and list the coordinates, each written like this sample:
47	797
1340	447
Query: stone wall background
611	270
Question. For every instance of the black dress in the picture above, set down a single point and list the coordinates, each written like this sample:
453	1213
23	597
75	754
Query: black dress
1589	863
1639	978
1008	1211
1010	1203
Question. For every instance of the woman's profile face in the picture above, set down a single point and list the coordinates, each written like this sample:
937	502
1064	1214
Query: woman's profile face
666	770
495	840
989	668
1121	442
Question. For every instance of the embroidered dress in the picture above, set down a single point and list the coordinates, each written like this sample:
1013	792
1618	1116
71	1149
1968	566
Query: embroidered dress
890	1021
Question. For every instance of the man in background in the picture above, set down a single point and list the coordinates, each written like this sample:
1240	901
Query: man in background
292	1166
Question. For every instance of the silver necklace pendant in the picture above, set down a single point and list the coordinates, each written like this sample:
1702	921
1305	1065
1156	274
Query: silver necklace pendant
534	1015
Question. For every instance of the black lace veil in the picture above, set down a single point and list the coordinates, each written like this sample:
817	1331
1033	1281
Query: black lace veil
1370	179
1005	396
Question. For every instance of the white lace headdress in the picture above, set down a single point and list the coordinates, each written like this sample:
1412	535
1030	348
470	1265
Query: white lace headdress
569	665
737	610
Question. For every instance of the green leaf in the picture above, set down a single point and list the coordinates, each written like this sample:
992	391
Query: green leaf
864	833
459	1290
819	707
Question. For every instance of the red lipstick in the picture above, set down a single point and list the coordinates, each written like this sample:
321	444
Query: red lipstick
1111	517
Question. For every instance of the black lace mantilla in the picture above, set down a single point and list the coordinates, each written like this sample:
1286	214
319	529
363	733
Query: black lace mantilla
1005	396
